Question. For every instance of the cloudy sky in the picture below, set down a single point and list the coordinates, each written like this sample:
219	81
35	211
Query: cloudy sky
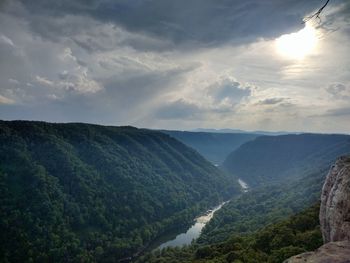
177	64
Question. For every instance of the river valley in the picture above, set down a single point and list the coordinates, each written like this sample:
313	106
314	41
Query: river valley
194	231
186	237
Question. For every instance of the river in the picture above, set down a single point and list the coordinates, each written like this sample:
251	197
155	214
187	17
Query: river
186	237
243	184
194	231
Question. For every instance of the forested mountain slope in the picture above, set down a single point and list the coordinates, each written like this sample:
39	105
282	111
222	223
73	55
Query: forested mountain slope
287	174
85	193
270	159
264	205
239	232
215	147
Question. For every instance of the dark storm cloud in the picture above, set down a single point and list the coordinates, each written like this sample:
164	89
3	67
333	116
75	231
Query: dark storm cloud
165	62
184	22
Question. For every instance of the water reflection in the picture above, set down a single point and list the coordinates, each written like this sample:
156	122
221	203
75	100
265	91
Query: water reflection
193	232
244	185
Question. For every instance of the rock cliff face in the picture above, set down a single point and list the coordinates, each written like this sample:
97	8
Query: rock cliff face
335	203
334	218
333	252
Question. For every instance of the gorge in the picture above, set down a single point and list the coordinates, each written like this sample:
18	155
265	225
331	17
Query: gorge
81	192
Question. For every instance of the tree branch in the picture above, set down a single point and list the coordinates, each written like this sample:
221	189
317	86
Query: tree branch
317	14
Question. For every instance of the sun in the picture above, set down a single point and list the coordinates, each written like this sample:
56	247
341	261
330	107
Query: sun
297	45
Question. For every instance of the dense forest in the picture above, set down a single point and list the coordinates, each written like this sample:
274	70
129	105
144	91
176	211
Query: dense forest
269	159
288	181
233	233
215	147
263	205
86	193
272	244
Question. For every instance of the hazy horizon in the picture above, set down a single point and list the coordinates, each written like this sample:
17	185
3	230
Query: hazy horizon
177	65
197	129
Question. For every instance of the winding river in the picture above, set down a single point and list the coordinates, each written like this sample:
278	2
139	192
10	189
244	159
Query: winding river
194	231
186	237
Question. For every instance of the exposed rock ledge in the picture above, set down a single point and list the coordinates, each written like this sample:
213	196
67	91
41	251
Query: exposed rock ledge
333	252
335	203
334	218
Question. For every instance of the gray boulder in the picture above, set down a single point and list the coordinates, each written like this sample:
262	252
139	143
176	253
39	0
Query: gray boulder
335	202
333	252
334	218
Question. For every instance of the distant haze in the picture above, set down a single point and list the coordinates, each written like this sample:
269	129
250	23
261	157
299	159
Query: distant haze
243	131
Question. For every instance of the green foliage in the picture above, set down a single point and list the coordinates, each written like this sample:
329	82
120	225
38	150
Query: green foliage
270	200
272	244
286	174
271	159
263	205
86	193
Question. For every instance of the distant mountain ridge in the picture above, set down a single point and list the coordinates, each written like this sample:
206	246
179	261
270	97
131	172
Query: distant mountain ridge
215	147
285	174
270	159
85	193
258	132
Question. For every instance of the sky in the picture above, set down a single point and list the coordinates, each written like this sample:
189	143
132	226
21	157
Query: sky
167	64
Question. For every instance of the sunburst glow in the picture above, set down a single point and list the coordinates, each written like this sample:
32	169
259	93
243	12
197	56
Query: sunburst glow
299	44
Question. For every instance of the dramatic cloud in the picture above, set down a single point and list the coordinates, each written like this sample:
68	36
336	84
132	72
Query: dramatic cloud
173	64
199	21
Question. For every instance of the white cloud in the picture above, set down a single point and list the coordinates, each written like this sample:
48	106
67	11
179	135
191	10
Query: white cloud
4	100
80	82
124	76
14	81
7	41
67	55
44	81
77	81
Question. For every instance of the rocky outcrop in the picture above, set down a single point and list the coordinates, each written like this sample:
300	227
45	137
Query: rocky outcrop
334	218
333	252
335	203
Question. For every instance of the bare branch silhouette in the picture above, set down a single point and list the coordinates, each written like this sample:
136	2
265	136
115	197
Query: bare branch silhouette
317	14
